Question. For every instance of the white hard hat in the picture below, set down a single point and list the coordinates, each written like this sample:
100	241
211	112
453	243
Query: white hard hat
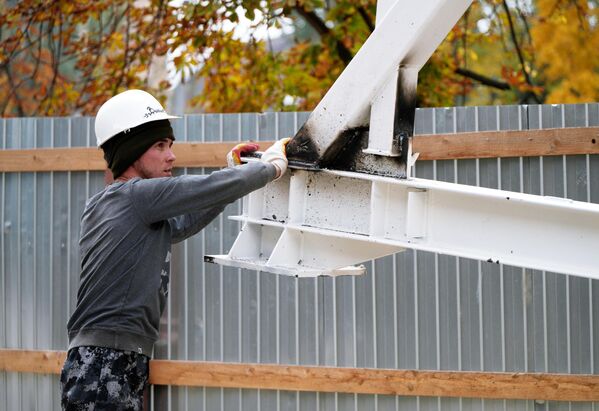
126	110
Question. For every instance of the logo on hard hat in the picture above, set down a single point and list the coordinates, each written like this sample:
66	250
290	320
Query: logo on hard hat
152	111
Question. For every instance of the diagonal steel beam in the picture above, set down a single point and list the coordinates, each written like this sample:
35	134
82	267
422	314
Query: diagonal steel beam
336	132
324	222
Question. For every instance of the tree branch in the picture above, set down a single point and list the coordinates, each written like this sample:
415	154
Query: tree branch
157	20
522	16
90	70
500	27
518	50
56	55
38	59
487	81
115	26
321	28
13	93
465	46
366	17
126	53
18	40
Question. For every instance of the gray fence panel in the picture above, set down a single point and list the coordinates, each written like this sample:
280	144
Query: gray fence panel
307	333
412	310
26	266
230	277
511	332
11	264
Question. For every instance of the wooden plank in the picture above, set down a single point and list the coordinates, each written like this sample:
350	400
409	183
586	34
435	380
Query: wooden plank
83	158
557	387
39	362
52	159
560	387
486	144
518	143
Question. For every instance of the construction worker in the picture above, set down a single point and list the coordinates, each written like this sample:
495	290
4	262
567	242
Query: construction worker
126	234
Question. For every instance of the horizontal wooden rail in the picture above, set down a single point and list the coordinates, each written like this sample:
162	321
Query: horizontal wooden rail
497	385
91	159
508	143
486	144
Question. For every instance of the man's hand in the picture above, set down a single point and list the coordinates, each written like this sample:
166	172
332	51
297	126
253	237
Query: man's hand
277	156
234	156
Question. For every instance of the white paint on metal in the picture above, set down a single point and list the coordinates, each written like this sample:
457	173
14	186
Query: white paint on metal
382	8
340	219
416	213
383	110
382	118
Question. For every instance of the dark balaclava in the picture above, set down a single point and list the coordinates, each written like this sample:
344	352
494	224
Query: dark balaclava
126	147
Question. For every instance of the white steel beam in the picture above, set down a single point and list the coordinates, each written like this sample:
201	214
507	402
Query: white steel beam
319	223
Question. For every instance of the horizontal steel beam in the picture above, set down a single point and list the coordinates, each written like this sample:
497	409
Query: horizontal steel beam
319	223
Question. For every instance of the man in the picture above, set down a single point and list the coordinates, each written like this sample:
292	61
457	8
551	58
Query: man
126	234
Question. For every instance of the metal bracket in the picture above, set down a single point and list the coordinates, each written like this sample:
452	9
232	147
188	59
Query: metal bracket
392	115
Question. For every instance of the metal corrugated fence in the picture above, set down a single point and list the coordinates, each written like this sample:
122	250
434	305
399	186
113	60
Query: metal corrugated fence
414	310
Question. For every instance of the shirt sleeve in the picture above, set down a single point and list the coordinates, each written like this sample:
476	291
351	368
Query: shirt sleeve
184	226
160	199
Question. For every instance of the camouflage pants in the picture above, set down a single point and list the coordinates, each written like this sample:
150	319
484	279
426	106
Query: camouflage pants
97	378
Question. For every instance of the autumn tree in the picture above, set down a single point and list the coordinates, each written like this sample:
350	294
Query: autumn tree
500	52
63	57
566	40
59	57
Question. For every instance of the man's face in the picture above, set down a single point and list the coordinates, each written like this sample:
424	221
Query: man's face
157	161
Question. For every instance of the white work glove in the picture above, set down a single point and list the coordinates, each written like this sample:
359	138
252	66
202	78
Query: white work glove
276	155
234	156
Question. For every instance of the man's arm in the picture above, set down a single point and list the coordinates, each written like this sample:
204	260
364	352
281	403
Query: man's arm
184	226
163	198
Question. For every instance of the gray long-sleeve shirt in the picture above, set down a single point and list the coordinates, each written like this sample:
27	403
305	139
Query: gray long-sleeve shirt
126	234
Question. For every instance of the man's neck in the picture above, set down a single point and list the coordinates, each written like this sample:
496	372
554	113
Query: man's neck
129	173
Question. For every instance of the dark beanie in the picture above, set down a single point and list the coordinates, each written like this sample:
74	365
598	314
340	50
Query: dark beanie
125	148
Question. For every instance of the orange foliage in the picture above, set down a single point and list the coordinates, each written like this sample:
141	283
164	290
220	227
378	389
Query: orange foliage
64	58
